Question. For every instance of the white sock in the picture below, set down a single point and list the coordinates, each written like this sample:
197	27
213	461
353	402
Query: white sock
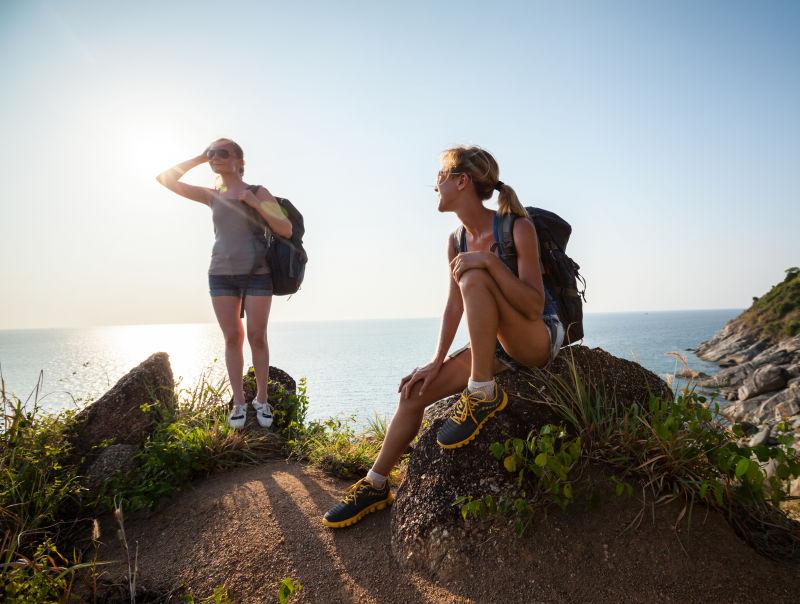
487	388
376	479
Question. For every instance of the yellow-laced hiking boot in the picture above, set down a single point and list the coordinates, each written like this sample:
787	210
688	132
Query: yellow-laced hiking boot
362	498
471	412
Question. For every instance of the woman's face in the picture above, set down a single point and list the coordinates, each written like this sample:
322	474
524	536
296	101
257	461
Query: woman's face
222	158
448	185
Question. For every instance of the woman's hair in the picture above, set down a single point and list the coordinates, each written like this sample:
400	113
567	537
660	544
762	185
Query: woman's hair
485	174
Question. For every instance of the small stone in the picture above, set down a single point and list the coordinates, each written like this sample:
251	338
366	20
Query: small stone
760	437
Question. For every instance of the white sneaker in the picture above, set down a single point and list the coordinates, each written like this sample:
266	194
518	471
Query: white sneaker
263	413
237	416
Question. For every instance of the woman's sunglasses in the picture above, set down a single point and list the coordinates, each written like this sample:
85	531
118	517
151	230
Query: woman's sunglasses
222	153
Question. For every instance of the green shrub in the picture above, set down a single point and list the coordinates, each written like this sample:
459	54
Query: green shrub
35	491
195	440
335	446
543	467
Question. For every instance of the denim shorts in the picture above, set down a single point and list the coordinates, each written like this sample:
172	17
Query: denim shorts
240	285
554	328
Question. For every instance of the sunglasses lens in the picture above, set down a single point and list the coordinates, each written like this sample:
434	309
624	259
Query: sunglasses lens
221	153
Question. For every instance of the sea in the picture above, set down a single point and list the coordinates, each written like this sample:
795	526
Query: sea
352	368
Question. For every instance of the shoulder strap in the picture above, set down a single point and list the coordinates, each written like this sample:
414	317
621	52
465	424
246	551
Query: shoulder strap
504	233
460	239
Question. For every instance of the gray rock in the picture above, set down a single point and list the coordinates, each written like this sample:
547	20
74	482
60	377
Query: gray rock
772	356
760	438
791	344
128	413
765	379
733	338
113	459
748	410
793	371
730	377
769	467
785	403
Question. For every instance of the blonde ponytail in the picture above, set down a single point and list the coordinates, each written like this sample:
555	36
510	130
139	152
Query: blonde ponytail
485	174
507	201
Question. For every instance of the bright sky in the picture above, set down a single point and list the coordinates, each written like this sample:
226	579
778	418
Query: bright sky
667	133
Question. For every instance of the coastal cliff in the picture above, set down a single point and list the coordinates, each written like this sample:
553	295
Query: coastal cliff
760	354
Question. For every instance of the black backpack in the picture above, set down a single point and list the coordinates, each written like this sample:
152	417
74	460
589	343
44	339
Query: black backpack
286	257
560	275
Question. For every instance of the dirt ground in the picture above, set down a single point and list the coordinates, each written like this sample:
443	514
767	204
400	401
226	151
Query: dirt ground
248	529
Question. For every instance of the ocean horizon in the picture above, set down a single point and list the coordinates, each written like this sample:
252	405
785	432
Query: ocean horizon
352	367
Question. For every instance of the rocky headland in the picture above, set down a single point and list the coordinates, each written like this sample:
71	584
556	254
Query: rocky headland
759	352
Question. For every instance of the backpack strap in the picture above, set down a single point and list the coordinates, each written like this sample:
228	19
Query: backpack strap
460	239
504	235
254	189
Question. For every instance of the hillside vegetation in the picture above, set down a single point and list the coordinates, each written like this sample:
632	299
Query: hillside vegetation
776	314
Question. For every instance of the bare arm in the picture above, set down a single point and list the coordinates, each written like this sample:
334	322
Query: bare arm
270	210
171	179
525	293
453	311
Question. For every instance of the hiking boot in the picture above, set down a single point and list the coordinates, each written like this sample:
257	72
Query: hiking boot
471	412
362	498
263	413
237	416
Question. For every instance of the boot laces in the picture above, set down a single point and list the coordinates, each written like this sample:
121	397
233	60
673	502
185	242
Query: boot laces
353	491
466	405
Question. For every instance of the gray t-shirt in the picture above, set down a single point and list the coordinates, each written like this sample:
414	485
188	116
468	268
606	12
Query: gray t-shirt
241	236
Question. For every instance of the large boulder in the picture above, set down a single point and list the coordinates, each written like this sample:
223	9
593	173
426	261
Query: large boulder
112	460
128	413
424	510
765	379
278	379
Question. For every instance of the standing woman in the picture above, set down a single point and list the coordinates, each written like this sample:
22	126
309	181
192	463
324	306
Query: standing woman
244	217
511	320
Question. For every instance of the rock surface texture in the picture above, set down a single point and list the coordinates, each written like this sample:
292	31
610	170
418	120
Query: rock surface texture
760	353
763	388
590	550
128	413
425	524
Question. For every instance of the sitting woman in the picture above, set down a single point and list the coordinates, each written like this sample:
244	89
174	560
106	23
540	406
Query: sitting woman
511	321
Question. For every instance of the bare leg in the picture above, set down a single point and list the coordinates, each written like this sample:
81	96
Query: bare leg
490	316
527	340
257	309
482	323
405	424
227	310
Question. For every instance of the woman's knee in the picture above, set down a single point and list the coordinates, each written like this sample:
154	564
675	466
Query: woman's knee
412	405
257	338
475	279
234	338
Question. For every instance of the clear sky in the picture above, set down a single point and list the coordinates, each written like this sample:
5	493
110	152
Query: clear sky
667	133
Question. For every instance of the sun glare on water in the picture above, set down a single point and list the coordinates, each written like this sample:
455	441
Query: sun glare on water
192	348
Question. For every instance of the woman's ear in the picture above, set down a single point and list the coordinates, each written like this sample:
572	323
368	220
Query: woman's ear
463	181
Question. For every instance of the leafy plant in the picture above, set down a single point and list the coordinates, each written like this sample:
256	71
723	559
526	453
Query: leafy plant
287	589
336	447
543	466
